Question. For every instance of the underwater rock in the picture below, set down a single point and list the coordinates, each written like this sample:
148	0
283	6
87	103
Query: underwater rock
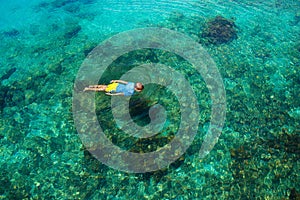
295	113
297	46
146	145
72	8
72	32
8	74
220	30
88	48
240	153
3	92
86	1
296	19
285	142
29	96
14	97
61	3
139	110
294	195
177	16
11	33
262	53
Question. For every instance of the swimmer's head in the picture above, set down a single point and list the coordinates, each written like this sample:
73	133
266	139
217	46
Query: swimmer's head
138	87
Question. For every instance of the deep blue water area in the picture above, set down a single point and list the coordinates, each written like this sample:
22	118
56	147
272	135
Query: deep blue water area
255	46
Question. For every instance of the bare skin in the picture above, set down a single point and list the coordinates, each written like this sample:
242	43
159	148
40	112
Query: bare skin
101	88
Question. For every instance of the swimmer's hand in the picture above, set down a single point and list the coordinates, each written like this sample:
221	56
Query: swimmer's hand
119	81
115	94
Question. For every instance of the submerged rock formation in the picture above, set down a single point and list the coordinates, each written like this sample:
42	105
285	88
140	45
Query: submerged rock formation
219	30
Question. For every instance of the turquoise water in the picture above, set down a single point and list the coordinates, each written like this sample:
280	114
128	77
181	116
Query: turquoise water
44	43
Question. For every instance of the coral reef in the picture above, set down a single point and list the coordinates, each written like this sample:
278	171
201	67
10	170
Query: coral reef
220	30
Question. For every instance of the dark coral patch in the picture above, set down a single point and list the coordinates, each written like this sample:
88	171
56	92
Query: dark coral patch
220	30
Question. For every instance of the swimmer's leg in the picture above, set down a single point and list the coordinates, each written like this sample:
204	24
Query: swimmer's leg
97	88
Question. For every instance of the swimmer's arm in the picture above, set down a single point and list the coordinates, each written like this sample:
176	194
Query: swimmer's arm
119	81
115	94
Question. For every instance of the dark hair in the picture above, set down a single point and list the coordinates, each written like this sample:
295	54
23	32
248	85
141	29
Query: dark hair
141	86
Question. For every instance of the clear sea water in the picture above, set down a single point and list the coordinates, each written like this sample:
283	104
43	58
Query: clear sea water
44	43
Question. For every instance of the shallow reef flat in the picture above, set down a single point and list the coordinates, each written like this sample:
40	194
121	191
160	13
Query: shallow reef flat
256	48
